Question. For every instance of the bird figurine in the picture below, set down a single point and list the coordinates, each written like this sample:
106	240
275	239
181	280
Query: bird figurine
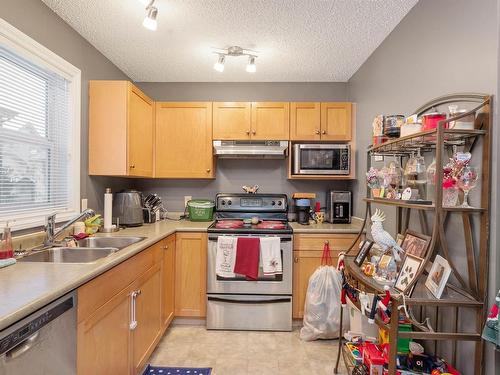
250	189
382	238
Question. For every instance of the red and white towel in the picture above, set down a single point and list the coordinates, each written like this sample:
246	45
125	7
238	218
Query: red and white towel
270	254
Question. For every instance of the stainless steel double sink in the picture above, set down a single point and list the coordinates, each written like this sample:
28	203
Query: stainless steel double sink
89	250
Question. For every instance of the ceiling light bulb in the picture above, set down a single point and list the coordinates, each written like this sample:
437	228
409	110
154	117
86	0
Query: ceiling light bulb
219	65
251	67
150	19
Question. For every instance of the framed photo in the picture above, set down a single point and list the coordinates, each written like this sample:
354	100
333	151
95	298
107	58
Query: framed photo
363	252
415	244
438	276
408	272
399	239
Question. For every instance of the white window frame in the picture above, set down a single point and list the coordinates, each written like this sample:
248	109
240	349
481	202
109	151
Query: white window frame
31	50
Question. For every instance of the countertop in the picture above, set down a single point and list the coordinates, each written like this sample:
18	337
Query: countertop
26	287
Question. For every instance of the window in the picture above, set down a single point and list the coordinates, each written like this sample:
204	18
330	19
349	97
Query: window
39	132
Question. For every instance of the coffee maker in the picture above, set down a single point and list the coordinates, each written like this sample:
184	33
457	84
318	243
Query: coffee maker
339	206
303	211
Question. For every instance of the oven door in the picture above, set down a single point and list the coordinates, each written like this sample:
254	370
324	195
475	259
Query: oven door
329	159
265	284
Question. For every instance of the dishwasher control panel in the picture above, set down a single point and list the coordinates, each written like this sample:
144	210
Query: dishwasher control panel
12	339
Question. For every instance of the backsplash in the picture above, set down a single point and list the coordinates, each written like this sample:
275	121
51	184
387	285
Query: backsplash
232	174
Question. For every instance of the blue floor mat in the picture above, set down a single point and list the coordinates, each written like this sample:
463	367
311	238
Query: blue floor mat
153	370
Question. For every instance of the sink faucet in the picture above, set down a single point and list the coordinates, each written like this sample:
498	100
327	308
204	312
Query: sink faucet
50	226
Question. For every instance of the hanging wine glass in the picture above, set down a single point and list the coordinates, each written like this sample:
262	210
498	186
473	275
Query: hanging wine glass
467	181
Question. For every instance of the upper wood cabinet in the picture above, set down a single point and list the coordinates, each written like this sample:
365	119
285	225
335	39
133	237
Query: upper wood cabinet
184	140
246	120
120	130
190	274
336	121
270	121
314	121
305	121
231	120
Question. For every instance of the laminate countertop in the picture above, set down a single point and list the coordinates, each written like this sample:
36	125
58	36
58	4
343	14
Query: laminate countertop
26	287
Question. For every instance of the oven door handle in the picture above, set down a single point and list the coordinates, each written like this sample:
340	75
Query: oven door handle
230	300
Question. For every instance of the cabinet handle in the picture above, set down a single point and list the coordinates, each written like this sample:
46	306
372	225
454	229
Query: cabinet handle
317	131
296	260
248	132
323	132
165	247
254	132
208	170
133	297
327	242
132	166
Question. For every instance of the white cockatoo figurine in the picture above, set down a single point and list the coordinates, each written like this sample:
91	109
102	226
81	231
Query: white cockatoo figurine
382	238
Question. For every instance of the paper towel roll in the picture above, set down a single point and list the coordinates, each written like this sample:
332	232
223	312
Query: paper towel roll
108	208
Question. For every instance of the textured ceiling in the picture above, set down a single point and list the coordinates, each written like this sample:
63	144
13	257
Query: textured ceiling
296	40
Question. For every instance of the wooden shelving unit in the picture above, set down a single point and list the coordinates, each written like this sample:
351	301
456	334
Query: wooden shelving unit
463	291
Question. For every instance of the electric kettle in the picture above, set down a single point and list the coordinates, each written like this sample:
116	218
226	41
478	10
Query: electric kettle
127	208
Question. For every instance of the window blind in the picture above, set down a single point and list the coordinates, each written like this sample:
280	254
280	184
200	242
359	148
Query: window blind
35	137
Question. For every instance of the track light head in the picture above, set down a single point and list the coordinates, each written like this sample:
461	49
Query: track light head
150	22
219	65
251	67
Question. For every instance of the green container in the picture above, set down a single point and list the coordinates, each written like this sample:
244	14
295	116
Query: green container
200	209
404	344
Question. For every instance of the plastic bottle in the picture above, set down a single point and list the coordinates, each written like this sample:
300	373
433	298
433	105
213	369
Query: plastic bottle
6	248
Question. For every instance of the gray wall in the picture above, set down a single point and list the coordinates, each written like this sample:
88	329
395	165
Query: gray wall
38	21
440	47
270	175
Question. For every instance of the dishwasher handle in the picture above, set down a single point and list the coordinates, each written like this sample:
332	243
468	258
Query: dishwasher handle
23	347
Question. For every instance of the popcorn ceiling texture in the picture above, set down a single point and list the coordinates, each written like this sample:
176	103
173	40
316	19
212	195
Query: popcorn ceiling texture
297	41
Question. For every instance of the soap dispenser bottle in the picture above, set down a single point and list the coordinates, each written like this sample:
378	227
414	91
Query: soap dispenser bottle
6	248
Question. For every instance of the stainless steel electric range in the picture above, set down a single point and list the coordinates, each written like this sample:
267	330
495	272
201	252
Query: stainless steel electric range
237	303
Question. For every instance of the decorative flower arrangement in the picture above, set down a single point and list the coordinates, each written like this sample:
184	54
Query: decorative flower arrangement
372	178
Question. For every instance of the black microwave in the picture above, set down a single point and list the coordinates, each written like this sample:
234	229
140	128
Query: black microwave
321	158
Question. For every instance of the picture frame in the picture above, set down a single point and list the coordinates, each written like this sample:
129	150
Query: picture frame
366	245
408	272
438	276
416	244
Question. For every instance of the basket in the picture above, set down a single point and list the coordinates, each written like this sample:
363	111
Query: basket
200	209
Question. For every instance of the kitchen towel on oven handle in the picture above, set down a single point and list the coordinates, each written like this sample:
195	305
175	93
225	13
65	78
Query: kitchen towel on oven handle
247	257
270	255
225	258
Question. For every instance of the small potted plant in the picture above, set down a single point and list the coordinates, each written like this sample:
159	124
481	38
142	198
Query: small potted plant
373	182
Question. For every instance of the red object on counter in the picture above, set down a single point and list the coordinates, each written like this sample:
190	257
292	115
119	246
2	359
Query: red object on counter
430	120
373	358
247	257
317	207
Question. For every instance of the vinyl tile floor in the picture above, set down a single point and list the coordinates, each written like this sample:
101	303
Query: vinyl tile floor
245	353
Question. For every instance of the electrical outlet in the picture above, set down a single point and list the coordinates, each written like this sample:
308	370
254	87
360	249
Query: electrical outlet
186	199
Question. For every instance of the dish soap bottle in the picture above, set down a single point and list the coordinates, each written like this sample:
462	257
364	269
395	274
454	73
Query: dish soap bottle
6	248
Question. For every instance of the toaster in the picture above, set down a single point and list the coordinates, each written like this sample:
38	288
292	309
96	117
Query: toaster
127	207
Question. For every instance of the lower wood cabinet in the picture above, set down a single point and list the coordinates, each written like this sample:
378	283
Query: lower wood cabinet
119	316
308	249
190	274
168	280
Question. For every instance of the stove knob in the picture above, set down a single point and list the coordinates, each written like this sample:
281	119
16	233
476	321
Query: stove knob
229	202
273	203
280	203
223	203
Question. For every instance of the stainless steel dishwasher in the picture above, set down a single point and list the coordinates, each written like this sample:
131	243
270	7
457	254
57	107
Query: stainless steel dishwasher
43	343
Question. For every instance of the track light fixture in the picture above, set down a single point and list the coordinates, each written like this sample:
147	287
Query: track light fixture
235	51
151	15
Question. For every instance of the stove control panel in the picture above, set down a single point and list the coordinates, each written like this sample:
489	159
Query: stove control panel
252	202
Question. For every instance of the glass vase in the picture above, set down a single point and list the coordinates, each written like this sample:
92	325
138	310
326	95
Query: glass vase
450	197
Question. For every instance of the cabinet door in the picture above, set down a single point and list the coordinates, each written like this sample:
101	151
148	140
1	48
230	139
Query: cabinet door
148	317
305	121
184	140
190	274
305	263
104	338
231	120
140	133
168	282
336	121
270	121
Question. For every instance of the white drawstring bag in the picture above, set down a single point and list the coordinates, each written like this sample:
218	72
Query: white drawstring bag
323	304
